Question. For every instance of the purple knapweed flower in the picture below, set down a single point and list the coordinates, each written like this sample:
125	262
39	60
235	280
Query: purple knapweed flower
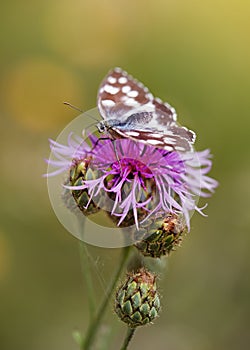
135	179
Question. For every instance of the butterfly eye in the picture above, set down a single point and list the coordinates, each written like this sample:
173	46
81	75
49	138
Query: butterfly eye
101	126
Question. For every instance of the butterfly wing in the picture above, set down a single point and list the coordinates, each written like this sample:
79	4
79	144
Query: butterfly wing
120	95
175	138
129	103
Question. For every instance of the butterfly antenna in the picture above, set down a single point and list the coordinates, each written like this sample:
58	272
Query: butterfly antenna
71	106
79	110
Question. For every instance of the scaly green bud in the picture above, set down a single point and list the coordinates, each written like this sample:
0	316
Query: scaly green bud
137	301
162	237
78	173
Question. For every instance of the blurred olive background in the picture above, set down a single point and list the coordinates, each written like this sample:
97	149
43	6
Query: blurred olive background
195	55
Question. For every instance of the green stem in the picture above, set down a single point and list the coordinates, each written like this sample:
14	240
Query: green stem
129	336
94	326
85	265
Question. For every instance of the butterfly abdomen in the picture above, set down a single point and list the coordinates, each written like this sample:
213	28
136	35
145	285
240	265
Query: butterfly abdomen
141	118
134	120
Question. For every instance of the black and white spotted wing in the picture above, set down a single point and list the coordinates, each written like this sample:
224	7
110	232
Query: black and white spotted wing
129	110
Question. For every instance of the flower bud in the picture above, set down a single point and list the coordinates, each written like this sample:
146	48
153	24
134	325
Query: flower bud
137	301
162	237
79	172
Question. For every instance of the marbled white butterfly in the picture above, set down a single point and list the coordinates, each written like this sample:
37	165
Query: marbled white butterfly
129	110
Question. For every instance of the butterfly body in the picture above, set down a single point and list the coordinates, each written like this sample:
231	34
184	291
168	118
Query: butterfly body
129	110
135	120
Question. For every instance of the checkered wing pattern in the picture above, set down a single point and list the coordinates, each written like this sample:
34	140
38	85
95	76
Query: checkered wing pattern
129	110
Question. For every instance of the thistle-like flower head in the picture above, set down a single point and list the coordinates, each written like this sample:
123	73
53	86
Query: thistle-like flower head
133	181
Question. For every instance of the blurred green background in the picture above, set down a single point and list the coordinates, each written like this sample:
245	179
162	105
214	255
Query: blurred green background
195	55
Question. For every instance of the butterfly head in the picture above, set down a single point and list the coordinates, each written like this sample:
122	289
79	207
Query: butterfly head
107	125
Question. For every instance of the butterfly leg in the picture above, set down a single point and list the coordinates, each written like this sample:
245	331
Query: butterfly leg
114	146
100	139
116	154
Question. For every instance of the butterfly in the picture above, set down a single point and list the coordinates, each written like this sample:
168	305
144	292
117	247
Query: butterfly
129	110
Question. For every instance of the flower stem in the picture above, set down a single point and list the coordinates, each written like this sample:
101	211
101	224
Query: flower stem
85	265
129	336
94	325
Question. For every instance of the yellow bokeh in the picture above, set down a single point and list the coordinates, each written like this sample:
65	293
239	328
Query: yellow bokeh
34	91
88	33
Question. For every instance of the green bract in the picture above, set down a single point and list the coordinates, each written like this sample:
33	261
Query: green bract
137	301
162	236
78	173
